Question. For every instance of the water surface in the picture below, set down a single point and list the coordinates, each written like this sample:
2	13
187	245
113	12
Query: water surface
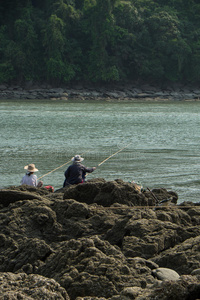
164	137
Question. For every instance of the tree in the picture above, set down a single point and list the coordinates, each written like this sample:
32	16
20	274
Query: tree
7	71
27	44
99	40
20	48
60	43
100	24
166	50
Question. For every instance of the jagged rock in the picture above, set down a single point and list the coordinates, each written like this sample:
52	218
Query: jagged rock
183	258
91	267
29	287
186	287
25	255
131	292
100	240
107	193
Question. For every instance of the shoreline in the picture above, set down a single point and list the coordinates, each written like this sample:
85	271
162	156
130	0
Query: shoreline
120	93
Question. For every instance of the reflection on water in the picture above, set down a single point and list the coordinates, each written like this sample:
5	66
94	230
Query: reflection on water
164	149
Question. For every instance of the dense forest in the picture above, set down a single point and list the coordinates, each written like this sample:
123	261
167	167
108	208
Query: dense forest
63	41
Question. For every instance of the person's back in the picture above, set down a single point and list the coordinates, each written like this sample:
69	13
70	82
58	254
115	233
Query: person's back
29	179
76	172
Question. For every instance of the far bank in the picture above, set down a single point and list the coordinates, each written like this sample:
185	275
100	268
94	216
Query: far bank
121	92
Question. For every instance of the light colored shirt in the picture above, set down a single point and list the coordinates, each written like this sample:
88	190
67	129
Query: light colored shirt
29	180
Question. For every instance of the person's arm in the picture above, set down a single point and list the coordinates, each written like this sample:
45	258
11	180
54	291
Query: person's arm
89	170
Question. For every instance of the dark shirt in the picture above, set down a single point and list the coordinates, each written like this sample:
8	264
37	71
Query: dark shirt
76	174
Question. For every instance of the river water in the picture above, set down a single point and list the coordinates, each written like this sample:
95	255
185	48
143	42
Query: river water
162	140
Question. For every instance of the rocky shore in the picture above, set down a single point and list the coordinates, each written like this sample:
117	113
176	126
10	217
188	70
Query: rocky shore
101	240
121	92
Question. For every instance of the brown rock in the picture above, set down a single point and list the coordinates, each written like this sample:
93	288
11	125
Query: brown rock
99	240
28	287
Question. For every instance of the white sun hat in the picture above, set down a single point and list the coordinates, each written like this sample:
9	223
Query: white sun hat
31	168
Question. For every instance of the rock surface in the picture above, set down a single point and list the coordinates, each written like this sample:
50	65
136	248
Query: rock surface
113	92
102	240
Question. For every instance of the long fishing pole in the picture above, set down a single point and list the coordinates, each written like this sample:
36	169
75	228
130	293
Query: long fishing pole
60	166
113	155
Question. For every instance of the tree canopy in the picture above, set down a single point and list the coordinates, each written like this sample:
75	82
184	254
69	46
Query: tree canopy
62	41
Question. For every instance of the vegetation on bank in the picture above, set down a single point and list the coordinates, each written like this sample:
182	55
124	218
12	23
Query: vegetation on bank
60	41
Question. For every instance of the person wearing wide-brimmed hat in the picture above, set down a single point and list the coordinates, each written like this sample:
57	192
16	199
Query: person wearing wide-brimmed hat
30	178
76	172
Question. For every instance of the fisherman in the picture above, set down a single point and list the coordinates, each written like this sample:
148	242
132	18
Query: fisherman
76	172
30	178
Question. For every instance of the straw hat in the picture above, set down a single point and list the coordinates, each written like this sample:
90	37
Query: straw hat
31	168
77	158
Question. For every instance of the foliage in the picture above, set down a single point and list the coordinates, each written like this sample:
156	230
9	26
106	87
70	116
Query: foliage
61	41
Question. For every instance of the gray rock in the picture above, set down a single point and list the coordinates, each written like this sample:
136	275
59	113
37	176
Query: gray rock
143	95
188	96
197	92
56	91
3	87
165	274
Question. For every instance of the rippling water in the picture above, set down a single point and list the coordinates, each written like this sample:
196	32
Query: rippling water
164	137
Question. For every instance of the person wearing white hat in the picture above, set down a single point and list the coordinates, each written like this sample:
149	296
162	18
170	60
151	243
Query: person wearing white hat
30	178
76	172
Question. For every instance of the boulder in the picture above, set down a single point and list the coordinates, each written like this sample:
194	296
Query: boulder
165	274
11	196
107	193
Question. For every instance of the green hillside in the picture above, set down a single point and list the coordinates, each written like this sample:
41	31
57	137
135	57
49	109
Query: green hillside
62	41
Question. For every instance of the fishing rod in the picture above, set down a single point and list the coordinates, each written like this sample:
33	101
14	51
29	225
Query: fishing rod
112	155
60	166
154	196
